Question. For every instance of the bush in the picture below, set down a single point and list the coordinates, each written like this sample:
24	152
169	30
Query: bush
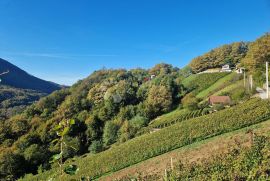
190	102
96	146
139	121
110	133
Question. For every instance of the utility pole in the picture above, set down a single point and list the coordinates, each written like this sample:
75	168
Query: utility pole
267	83
244	78
251	82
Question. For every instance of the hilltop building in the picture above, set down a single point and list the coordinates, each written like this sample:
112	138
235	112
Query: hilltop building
226	68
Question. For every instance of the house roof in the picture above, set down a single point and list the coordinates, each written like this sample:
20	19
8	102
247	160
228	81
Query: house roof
219	99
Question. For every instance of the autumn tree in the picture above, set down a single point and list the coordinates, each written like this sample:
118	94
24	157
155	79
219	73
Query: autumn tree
159	101
258	54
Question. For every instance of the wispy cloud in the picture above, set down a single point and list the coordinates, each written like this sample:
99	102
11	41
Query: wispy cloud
55	55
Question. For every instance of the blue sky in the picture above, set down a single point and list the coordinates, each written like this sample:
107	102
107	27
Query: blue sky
66	40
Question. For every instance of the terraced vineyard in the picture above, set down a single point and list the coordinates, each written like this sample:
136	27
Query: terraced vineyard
167	139
175	117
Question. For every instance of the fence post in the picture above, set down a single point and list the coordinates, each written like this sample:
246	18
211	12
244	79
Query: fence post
171	163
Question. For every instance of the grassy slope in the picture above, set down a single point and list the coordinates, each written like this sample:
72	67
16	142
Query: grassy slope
230	88
201	82
193	152
178	135
219	84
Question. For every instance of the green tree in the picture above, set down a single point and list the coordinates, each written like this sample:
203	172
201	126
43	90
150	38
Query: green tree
110	133
96	146
35	155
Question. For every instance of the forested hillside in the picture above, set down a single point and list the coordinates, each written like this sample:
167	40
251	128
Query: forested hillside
109	106
227	54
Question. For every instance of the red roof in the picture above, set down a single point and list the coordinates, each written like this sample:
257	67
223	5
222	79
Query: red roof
219	100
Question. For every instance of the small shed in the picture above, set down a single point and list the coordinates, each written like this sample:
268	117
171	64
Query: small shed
239	70
225	100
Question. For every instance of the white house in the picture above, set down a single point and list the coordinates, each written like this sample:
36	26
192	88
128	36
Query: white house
152	76
226	68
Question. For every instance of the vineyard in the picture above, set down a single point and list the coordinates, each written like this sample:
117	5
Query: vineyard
200	82
175	117
219	84
241	162
167	139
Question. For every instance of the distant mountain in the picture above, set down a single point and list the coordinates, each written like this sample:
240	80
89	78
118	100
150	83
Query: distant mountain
18	78
18	89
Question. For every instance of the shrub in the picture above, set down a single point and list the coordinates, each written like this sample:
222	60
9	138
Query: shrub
190	102
96	146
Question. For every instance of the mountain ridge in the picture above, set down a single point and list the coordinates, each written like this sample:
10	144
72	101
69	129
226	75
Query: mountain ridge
18	78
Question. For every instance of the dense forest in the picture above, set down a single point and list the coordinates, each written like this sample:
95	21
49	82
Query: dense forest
111	107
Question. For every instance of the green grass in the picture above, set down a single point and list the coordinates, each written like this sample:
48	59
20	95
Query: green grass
167	139
200	82
230	88
219	84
